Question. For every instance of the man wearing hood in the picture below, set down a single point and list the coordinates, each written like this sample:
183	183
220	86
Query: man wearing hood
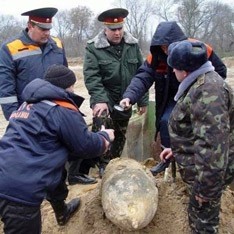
155	70
35	147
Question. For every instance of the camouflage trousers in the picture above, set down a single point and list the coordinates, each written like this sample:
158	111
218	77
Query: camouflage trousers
120	127
203	219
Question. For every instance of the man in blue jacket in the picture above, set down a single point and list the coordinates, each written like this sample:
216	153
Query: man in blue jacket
155	70
35	147
27	56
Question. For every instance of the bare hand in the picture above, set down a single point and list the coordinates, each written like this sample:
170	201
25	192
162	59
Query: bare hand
111	135
166	154
99	108
125	103
142	110
110	132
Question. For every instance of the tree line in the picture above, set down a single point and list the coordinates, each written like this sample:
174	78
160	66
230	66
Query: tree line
207	20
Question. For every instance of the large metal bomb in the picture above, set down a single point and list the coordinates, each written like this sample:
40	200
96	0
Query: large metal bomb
129	194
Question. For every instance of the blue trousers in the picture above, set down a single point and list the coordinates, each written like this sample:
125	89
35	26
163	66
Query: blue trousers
163	124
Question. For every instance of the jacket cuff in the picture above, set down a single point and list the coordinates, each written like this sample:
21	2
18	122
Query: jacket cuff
105	135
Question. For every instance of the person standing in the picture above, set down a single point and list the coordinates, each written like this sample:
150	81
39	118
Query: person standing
111	60
27	56
201	128
36	145
155	70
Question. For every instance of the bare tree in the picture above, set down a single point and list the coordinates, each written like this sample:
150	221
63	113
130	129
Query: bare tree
9	27
165	10
95	28
140	16
62	24
192	14
209	21
73	27
221	29
80	18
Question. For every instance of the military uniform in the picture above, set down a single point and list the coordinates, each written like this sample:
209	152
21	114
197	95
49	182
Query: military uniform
108	70
201	128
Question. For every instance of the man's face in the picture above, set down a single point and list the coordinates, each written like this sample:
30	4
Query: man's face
180	74
37	34
114	35
164	48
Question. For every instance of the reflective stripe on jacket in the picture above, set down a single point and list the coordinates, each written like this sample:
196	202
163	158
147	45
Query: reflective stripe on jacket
22	61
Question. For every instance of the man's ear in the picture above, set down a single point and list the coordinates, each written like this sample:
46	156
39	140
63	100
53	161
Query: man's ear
30	25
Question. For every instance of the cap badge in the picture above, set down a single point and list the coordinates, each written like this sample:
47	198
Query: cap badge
115	20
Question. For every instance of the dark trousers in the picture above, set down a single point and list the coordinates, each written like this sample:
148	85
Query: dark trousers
164	133
20	219
81	166
61	191
163	124
23	219
120	127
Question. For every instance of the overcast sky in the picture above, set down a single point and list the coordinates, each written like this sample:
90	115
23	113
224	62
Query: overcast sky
16	7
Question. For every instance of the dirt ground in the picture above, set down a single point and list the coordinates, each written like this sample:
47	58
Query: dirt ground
171	215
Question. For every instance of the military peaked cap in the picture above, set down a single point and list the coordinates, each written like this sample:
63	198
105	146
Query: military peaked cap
42	17
113	18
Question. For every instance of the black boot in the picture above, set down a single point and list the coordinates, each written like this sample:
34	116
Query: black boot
63	212
160	167
101	170
101	167
81	179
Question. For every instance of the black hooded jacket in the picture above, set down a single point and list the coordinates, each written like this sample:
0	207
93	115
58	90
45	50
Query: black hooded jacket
155	69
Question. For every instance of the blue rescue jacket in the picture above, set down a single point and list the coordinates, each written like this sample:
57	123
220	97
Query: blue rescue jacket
40	134
21	61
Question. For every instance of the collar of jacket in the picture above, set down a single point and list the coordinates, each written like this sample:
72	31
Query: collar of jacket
100	41
28	41
193	76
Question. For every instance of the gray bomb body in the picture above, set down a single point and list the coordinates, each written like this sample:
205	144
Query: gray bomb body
129	194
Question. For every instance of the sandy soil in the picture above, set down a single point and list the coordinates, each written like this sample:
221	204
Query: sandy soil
171	215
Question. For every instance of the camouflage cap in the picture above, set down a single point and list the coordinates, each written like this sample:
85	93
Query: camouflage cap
42	17
113	18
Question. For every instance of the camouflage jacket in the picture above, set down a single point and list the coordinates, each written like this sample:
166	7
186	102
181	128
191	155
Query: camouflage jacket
202	135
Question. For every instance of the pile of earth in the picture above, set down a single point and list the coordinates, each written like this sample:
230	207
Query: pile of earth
171	215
